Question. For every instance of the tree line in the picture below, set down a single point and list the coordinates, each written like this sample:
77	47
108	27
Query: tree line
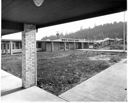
108	30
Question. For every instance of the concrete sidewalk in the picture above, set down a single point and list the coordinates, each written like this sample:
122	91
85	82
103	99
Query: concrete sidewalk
32	94
103	50
12	91
9	83
108	85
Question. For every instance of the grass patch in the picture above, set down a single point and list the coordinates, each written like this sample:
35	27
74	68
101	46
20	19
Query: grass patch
61	75
60	71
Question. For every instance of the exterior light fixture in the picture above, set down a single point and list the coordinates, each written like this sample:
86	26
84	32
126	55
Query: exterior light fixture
38	3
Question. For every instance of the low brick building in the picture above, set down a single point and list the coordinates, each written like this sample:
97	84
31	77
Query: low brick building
15	46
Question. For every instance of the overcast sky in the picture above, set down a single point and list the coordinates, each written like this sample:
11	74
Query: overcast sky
72	26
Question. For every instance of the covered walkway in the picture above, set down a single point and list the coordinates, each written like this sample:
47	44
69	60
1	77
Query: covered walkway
9	83
32	94
12	91
109	85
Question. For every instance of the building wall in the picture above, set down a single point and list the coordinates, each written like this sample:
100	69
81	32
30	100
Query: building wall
91	46
56	46
16	47
16	51
67	45
85	45
43	46
61	46
48	47
78	45
71	46
5	48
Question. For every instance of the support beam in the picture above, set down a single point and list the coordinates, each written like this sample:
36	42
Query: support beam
69	45
52	46
6	48
64	46
11	47
29	56
74	45
82	45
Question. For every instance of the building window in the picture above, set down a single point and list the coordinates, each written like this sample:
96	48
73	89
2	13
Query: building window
13	46
4	46
38	45
20	45
17	45
8	46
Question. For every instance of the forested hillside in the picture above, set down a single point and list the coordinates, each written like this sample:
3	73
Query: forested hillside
109	30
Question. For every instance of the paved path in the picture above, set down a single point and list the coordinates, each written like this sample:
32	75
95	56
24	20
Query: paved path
102	50
12	91
108	85
9	83
33	94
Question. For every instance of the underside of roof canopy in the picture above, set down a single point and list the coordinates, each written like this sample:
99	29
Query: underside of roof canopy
15	13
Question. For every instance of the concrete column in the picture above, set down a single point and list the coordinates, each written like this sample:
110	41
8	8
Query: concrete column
59	45
11	48
65	46
6	48
52	46
29	56
74	45
82	45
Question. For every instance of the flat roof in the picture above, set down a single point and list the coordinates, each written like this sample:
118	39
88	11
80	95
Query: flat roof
15	13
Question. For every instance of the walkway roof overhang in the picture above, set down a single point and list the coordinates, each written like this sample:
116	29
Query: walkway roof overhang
17	12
